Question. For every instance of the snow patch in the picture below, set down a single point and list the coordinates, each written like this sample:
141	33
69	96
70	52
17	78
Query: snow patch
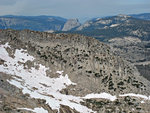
136	95
44	87
60	72
36	110
22	56
102	95
142	102
114	25
6	45
54	99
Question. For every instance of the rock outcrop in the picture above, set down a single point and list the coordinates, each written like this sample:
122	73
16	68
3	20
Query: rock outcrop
70	24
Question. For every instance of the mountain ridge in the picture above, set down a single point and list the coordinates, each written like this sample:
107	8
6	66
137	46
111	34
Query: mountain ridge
39	23
145	16
116	26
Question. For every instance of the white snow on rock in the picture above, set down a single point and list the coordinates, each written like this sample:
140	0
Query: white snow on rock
60	72
113	98
54	99
36	83
136	95
142	102
22	56
114	25
101	95
36	110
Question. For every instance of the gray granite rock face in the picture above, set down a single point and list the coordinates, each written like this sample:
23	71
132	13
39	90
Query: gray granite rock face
70	24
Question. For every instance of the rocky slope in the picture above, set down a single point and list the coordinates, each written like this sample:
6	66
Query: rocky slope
93	78
134	50
127	35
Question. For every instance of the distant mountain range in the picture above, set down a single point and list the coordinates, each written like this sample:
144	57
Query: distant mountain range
144	16
38	23
116	26
51	23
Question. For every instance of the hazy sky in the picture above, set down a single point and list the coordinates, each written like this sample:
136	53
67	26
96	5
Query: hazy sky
73	8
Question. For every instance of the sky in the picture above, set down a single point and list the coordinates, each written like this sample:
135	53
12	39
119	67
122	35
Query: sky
73	8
